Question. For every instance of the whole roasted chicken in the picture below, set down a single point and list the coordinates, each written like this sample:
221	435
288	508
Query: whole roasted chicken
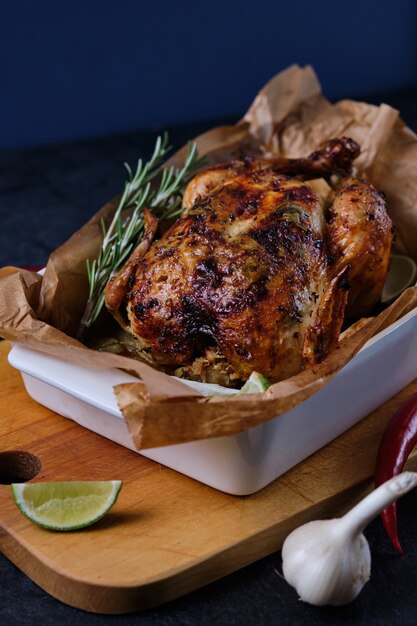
259	272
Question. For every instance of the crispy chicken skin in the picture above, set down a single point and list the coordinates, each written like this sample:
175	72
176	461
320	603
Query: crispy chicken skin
255	273
359	235
333	157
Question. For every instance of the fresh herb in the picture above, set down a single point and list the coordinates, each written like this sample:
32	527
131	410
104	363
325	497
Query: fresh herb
126	228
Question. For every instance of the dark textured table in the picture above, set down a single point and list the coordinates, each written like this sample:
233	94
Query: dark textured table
45	194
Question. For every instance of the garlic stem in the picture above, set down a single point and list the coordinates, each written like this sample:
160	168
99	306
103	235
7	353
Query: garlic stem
367	509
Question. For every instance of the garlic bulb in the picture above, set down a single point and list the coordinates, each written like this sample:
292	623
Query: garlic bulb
329	561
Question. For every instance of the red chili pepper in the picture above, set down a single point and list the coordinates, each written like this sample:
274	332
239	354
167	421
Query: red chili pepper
396	444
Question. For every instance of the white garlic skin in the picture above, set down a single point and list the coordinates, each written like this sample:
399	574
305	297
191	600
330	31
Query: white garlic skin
325	565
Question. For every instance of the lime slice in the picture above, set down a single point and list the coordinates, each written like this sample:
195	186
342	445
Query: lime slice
66	505
402	273
209	389
256	383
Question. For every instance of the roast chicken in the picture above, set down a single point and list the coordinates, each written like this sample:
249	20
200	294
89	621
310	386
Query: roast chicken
267	260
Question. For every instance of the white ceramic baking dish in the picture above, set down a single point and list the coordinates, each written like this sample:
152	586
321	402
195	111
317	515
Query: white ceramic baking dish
244	463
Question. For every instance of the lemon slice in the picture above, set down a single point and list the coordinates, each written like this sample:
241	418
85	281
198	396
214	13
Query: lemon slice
402	273
66	505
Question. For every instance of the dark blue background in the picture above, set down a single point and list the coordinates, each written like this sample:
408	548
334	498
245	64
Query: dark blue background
82	68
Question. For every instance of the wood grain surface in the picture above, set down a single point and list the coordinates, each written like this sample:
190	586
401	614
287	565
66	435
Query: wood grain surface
167	534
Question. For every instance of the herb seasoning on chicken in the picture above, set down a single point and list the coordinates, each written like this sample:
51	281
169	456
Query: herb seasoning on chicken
255	273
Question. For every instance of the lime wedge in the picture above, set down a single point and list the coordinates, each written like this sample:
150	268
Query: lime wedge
256	383
402	273
209	389
66	505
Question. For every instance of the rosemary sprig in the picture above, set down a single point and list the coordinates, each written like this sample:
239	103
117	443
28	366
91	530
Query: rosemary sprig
125	230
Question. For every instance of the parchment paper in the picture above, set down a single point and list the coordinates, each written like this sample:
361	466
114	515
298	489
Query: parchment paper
290	117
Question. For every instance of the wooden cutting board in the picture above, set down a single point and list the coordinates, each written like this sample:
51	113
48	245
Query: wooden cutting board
167	534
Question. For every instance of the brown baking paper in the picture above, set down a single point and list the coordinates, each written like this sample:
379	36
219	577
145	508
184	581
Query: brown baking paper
289	117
